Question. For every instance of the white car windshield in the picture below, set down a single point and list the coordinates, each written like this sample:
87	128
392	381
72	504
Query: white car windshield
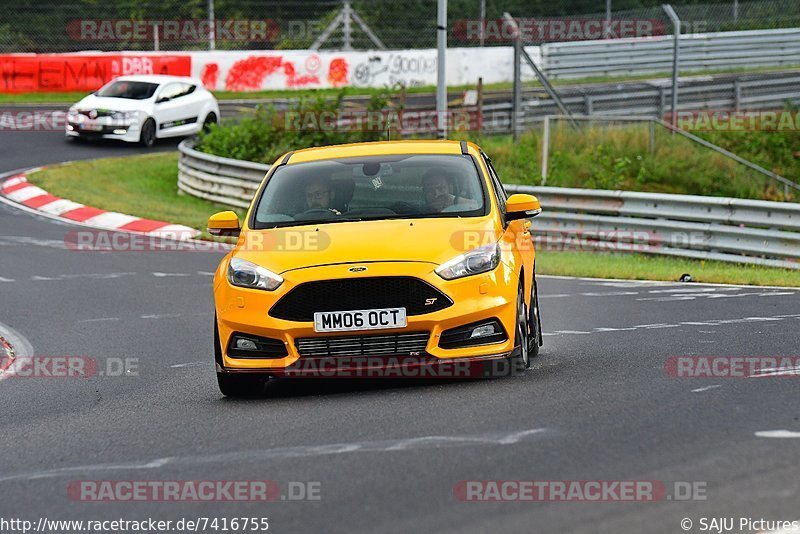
128	89
370	188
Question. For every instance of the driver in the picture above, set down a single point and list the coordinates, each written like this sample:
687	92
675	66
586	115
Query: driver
319	194
438	190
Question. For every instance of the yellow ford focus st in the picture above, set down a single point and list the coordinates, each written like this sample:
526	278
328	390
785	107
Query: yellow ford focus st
376	259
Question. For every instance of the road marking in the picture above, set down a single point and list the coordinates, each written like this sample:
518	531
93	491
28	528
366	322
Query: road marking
700	390
189	364
99	319
710	322
292	452
793	370
777	434
6	279
621	282
164	275
557	296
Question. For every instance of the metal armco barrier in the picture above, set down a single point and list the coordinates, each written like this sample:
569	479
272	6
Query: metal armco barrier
618	57
714	228
226	181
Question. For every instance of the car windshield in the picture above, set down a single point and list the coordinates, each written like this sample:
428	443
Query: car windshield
370	188
127	89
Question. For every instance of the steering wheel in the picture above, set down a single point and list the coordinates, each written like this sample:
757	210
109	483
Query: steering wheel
318	212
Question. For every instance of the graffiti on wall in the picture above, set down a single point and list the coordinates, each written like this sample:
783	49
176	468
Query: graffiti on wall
53	72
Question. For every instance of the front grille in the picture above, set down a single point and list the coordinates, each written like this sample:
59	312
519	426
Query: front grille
370	345
416	296
100	112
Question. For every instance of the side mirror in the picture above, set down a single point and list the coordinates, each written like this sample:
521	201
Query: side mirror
224	223
520	206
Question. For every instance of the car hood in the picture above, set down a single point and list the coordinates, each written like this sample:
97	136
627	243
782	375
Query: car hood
431	241
114	104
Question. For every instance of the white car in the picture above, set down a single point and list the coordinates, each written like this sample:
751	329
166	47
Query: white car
141	109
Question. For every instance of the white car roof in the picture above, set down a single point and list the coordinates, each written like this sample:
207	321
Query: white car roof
158	78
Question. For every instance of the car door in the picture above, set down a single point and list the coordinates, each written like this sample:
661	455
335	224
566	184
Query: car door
176	112
517	233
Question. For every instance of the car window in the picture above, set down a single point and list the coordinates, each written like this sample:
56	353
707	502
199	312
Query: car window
377	187
128	89
497	185
172	91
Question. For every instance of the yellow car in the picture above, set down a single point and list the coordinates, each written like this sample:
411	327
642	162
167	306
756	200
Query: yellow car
389	257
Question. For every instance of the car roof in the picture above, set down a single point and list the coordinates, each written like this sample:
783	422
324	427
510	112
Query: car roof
379	148
157	78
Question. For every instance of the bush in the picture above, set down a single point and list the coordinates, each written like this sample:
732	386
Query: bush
268	132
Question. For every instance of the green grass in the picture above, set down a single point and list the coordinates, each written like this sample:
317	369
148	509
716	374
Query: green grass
146	186
644	267
71	97
615	157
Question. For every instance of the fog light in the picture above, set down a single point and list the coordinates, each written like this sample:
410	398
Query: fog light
246	344
120	131
252	346
483	331
477	333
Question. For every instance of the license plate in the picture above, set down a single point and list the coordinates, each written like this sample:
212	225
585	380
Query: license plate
343	321
92	126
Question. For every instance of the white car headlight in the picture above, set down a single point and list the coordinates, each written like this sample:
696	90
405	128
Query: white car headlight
123	115
244	273
480	260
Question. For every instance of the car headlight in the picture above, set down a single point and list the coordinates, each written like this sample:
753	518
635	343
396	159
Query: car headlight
480	260
244	273
123	115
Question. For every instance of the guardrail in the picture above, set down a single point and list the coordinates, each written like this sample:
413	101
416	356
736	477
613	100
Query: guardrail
227	181
725	92
714	228
618	57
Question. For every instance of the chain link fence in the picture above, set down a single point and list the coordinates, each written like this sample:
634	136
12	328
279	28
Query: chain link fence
51	26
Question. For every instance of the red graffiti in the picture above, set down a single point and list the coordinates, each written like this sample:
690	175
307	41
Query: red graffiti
209	75
59	73
293	80
337	72
248	74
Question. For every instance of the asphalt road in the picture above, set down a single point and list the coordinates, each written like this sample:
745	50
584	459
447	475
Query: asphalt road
598	404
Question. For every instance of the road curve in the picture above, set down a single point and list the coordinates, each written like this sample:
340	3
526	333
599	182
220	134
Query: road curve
597	405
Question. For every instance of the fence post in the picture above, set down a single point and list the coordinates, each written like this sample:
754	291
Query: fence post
480	106
737	94
652	136
515	106
545	147
588	104
676	53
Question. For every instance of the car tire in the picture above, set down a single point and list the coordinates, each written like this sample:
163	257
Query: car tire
241	385
232	384
211	118
533	326
147	136
519	360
